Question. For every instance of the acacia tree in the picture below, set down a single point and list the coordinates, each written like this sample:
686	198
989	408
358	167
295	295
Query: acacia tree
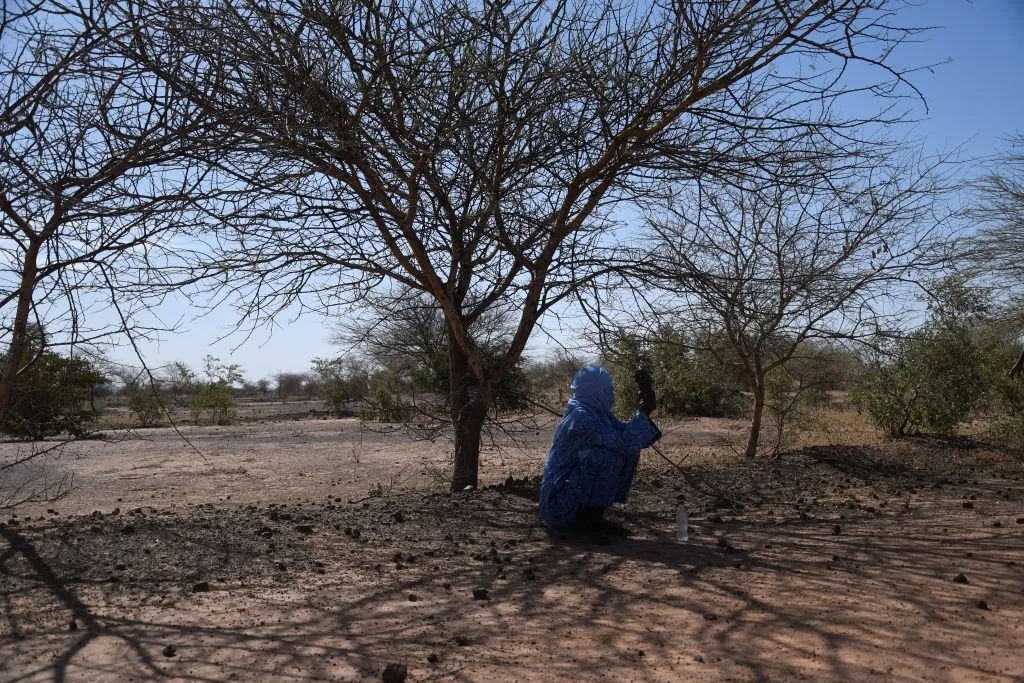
477	151
778	266
998	249
90	159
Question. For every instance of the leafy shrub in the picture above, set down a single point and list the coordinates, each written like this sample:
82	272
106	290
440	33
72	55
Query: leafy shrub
936	378
385	405
146	407
52	397
687	382
215	398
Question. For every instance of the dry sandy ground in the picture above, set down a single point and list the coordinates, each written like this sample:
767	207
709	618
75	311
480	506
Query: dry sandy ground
831	563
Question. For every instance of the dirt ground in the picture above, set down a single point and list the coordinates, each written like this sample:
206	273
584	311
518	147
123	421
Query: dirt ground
322	550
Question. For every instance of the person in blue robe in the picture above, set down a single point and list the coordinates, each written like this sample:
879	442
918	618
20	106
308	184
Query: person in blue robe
594	455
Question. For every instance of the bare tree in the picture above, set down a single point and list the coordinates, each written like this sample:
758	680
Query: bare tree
998	248
477	152
90	156
776	266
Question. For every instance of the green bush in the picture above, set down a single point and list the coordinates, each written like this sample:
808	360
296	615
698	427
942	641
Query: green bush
687	382
937	378
215	398
52	397
146	406
385	405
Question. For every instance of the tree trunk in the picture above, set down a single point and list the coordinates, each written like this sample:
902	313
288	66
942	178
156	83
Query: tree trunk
19	330
755	420
1018	368
469	410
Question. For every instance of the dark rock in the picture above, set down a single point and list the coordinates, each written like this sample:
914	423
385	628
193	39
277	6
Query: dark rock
960	578
997	524
304	528
836	530
698	658
968	505
481	594
73	626
722	542
433	658
201	587
399	516
982	604
128	529
462	640
394	673
413	597
169	651
1020	520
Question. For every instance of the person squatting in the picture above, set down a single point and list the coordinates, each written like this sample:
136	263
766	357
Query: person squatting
594	455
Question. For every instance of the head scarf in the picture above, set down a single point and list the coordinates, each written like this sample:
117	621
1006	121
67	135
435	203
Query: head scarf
592	386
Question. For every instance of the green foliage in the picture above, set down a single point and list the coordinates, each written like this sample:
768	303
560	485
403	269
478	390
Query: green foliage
340	382
215	398
687	382
936	378
385	405
52	397
146	406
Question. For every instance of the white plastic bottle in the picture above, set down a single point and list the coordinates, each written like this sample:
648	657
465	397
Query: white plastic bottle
682	524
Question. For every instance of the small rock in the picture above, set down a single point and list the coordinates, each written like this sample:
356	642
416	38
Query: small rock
433	658
960	578
968	505
304	528
462	640
699	659
1020	520
73	626
201	587
722	542
169	651
481	594
128	529
394	673
982	604
997	524
120	566
413	597
399	516
836	530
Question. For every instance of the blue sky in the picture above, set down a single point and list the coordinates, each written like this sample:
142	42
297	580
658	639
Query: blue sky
975	98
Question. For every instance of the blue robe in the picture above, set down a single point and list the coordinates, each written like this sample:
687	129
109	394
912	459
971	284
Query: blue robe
594	455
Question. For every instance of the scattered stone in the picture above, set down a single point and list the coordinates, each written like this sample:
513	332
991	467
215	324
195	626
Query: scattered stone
968	505
447	586
836	558
304	528
120	566
982	604
201	587
960	578
1020	520
481	594
710	617
699	659
413	597
169	651
394	673
399	516
836	530
433	658
997	524
462	640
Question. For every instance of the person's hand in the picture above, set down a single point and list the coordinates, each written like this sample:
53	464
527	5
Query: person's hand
645	390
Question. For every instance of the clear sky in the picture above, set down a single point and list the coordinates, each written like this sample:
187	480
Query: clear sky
975	101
